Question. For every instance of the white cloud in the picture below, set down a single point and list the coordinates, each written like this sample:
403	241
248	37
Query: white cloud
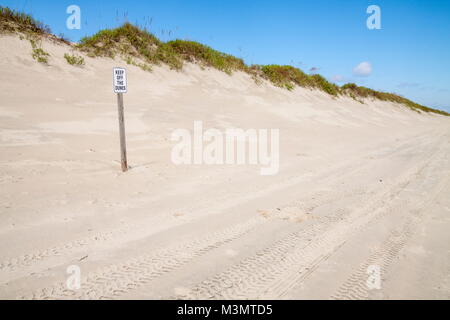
364	69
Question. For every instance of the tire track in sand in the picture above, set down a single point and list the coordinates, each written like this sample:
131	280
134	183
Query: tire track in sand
277	269
118	279
106	237
356	286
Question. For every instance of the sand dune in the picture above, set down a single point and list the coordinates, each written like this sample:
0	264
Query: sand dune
360	186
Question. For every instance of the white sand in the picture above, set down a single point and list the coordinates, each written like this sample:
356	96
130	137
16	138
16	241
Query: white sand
359	185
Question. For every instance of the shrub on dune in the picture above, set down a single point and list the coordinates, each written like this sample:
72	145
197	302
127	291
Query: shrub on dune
15	21
196	52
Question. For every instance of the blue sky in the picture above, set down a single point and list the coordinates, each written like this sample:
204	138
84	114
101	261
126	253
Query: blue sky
410	55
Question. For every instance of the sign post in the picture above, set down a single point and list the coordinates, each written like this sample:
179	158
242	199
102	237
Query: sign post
120	87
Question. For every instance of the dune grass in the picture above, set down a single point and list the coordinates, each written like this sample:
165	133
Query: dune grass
38	54
133	44
198	53
15	21
130	41
127	39
288	77
74	59
354	91
322	84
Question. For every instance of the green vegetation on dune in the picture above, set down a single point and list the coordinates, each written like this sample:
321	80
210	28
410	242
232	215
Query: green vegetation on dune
38	54
196	52
74	59
286	76
14	21
129	40
324	85
141	48
356	91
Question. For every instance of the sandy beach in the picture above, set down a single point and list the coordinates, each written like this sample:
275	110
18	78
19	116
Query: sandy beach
360	187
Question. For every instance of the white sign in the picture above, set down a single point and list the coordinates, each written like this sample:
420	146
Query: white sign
120	80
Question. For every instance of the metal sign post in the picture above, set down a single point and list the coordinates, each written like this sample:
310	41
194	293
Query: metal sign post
120	87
